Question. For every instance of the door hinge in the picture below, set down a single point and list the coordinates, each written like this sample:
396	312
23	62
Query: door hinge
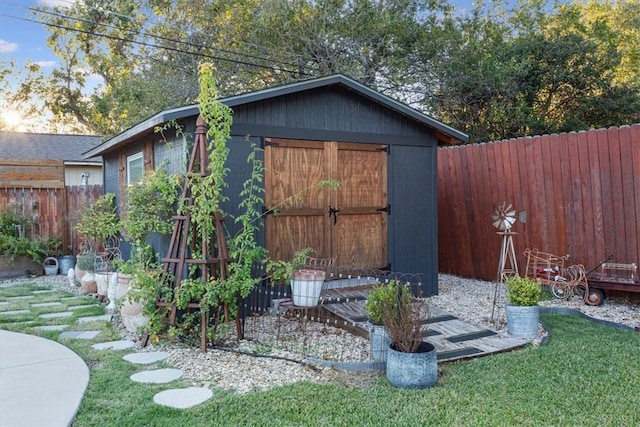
266	142
386	149
386	209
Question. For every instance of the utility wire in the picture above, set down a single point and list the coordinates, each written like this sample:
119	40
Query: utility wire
171	49
157	37
167	39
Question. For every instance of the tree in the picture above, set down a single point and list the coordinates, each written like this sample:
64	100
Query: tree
147	51
529	71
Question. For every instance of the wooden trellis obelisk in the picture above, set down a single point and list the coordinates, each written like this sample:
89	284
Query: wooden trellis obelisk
185	239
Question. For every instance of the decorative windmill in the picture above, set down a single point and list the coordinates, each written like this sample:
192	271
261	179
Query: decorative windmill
504	216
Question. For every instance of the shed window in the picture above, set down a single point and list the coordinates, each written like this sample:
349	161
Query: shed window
135	168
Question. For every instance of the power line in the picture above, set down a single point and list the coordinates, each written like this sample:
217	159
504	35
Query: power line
142	43
157	37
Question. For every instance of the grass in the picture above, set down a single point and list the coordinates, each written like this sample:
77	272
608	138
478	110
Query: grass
588	375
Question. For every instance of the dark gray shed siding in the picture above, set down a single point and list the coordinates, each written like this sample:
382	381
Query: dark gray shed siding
413	233
334	114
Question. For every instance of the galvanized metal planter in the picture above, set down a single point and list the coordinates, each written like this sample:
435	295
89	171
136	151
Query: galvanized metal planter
413	370
522	321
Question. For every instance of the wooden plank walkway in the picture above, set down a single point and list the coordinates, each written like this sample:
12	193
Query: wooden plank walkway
453	338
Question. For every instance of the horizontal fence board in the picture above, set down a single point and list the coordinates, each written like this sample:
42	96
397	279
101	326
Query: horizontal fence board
580	193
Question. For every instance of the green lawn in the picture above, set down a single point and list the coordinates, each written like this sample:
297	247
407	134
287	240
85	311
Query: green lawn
588	375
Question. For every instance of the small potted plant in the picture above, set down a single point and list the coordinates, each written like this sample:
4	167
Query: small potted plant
411	361
523	311
306	284
381	298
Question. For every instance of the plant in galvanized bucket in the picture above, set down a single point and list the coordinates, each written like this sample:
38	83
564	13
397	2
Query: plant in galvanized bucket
523	291
381	296
411	361
522	310
306	283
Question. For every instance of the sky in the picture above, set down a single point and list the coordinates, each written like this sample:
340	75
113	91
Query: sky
20	39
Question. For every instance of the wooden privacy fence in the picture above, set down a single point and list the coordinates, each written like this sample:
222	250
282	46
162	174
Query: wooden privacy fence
578	192
52	211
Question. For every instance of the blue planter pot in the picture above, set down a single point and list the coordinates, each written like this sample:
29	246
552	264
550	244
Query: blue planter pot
413	370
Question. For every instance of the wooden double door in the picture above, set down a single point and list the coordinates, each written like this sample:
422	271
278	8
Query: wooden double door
348	223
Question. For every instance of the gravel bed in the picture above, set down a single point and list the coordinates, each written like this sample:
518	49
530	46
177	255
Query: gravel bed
265	366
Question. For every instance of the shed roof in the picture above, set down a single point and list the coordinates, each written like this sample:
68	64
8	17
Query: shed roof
68	148
443	132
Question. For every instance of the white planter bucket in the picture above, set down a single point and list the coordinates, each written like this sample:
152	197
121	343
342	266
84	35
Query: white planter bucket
306	286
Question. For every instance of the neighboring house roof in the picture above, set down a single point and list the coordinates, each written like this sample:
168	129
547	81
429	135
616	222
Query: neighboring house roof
444	131
68	148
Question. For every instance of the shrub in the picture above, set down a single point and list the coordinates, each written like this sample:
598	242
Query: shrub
523	291
382	297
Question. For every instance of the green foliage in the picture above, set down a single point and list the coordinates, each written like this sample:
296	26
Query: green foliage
401	318
282	270
536	70
13	224
149	205
99	220
523	291
380	299
86	261
21	246
14	240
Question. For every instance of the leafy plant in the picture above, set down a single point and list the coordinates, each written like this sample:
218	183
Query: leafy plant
280	270
86	261
14	239
149	205
380	299
13	224
99	221
523	291
401	318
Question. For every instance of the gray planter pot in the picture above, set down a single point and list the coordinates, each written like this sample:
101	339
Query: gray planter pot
379	342
522	322
413	370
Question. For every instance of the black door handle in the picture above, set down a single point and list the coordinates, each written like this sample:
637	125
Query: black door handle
333	211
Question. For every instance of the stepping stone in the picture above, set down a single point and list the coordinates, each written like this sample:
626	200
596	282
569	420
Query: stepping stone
77	307
21	297
45	304
4	303
56	315
80	335
103	317
146	358
183	398
43	291
13	312
157	376
114	345
71	298
52	327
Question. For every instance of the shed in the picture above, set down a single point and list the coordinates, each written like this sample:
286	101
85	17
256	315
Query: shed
383	152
